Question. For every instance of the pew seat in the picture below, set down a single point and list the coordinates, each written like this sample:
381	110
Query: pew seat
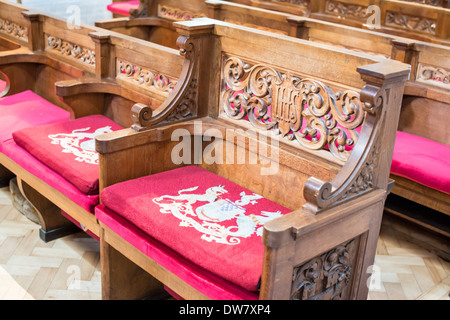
27	109
122	8
422	160
62	155
200	218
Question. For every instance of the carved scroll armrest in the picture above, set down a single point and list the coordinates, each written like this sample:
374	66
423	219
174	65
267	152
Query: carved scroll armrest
368	166
27	56
182	102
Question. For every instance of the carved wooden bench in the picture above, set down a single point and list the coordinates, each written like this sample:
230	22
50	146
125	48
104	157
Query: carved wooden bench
427	86
411	19
97	76
272	129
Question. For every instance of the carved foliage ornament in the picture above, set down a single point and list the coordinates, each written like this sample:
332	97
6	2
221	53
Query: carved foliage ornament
327	277
295	2
436	3
13	29
301	110
71	50
345	9
398	19
145	77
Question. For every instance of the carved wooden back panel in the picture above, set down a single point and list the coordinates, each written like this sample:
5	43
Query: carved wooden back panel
418	19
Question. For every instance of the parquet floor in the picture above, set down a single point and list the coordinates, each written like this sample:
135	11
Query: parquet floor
69	268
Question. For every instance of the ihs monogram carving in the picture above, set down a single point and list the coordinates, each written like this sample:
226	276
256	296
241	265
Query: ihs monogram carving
302	110
327	277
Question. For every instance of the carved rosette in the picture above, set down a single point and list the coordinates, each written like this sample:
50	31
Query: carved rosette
144	77
13	29
302	110
327	277
404	21
72	50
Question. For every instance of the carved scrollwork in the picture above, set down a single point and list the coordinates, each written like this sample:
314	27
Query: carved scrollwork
141	11
398	19
302	110
327	277
13	29
431	73
71	50
361	176
145	77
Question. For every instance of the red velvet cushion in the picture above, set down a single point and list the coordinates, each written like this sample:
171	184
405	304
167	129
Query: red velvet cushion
214	223
204	281
423	161
27	109
46	174
69	148
122	8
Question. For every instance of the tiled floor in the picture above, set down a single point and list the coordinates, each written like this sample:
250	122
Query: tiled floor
69	268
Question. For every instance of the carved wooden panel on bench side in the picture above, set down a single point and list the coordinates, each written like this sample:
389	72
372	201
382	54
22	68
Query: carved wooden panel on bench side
328	276
302	110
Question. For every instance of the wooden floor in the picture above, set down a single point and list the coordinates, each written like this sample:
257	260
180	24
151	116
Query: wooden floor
69	268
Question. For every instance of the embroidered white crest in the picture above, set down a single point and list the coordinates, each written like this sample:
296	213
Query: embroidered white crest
207	218
80	142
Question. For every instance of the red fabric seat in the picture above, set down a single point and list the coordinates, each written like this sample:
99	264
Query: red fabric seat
122	8
207	221
27	109
46	174
68	148
423	161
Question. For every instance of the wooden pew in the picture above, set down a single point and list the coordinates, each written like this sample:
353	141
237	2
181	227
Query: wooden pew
424	93
86	71
332	184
